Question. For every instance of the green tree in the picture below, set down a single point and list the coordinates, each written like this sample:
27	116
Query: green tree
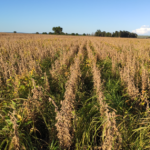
98	33
103	33
15	31
57	30
44	33
37	32
108	34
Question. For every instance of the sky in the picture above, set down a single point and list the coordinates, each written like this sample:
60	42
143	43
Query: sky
75	16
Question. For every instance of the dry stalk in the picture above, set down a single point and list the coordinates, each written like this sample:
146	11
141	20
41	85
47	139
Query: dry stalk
63	61
15	139
128	80
32	104
111	135
65	116
46	86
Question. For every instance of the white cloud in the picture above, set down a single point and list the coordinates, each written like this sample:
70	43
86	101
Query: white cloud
145	26
144	30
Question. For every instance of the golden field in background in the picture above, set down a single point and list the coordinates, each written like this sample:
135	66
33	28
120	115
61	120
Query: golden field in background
74	92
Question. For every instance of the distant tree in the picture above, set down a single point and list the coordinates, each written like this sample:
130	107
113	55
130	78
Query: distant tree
44	33
50	33
62	33
57	30
84	34
15	31
37	32
103	33
77	34
72	33
133	35
116	34
98	33
108	34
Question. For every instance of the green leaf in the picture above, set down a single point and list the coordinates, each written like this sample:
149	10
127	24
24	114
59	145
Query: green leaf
13	103
2	143
27	123
8	121
23	87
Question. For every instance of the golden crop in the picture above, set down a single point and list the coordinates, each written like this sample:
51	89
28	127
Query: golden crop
82	92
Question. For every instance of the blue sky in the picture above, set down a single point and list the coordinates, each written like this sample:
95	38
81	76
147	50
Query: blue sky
78	16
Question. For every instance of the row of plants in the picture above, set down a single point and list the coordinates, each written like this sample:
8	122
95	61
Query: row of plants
31	104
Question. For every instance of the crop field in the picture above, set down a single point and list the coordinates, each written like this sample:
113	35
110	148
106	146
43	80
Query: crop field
74	93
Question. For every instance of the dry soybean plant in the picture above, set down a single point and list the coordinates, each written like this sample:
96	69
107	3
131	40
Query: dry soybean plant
111	136
74	92
65	115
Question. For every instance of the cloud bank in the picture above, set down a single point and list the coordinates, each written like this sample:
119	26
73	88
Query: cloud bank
144	30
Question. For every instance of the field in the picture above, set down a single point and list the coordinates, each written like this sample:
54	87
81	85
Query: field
144	37
74	92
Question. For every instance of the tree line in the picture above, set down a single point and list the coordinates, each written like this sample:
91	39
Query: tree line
116	34
59	31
